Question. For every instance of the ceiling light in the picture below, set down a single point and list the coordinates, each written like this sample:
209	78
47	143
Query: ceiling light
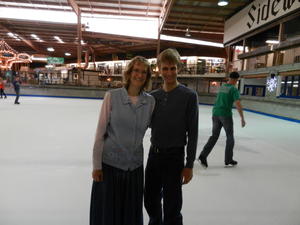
67	54
187	32
58	39
50	49
12	35
36	37
272	42
191	41
33	58
223	2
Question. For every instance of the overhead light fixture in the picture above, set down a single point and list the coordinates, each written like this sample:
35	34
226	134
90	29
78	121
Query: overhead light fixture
58	39
272	42
50	49
13	36
33	58
191	41
187	32
223	2
67	54
36	37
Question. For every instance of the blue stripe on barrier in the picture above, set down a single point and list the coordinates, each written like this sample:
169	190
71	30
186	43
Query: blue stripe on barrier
274	116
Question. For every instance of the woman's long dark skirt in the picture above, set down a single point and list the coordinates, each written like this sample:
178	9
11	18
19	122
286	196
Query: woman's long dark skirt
118	199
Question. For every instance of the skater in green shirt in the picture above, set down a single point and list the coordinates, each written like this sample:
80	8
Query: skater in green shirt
222	117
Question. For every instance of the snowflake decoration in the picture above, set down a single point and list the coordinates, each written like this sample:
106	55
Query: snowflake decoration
271	84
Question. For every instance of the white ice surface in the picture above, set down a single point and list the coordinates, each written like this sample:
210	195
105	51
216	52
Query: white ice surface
45	167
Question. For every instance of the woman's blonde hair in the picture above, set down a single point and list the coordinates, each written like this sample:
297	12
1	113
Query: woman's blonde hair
169	55
129	68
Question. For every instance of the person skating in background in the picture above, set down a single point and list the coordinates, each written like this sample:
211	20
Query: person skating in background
17	87
222	117
2	88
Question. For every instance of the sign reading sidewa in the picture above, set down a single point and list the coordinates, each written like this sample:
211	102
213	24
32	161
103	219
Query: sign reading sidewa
257	14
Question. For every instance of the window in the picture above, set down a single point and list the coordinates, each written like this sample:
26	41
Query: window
290	86
255	90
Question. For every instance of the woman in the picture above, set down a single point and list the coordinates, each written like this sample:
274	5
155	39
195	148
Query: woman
117	192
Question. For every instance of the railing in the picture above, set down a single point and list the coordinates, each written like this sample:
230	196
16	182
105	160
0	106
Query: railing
105	77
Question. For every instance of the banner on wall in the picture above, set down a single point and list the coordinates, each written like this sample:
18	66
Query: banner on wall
257	14
55	60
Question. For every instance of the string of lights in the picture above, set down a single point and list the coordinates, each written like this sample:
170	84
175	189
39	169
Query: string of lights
9	56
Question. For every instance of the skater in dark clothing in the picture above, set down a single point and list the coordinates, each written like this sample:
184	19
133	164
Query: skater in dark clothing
17	86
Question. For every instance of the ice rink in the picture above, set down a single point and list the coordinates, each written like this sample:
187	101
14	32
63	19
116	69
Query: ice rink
45	167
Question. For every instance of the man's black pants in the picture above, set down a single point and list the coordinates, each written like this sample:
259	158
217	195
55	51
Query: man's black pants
163	181
17	95
218	123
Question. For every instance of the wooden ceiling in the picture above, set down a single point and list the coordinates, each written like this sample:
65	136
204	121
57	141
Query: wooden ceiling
204	20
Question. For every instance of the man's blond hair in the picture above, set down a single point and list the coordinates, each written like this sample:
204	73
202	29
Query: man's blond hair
169	55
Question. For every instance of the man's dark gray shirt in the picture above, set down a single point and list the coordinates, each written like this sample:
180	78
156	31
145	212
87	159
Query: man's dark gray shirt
175	120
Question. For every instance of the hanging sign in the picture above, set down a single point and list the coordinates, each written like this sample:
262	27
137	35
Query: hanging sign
55	60
257	14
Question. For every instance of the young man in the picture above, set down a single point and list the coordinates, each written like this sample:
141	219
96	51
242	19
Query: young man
222	117
174	125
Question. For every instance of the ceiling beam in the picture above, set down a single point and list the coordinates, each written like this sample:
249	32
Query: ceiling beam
197	16
165	13
193	20
79	31
117	9
196	35
200	8
196	27
123	50
196	22
35	7
118	14
134	12
74	6
32	23
136	3
207	29
85	2
118	37
209	13
27	42
40	29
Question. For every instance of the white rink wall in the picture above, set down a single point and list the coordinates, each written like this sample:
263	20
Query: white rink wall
289	108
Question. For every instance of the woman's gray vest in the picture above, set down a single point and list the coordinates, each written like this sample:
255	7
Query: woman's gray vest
123	143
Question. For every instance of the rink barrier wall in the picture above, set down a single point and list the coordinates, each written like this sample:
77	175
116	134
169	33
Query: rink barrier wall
262	113
57	91
286	109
